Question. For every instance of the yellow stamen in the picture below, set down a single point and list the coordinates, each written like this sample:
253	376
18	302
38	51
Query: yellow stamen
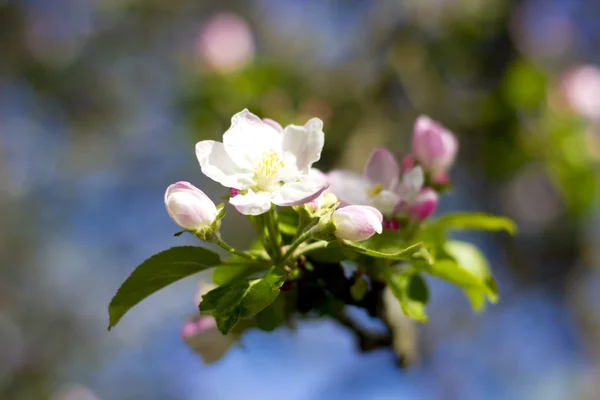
269	164
375	190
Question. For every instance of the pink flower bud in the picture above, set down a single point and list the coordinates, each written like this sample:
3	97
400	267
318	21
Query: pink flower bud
434	146
423	205
233	192
357	222
189	207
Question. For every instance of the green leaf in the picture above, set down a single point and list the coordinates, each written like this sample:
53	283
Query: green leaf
273	316
416	252
157	272
236	268
476	298
386	242
449	270
469	257
229	303
462	264
434	236
477	221
411	291
334	252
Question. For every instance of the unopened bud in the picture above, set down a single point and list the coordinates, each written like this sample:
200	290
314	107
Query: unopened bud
424	205
357	222
189	207
434	146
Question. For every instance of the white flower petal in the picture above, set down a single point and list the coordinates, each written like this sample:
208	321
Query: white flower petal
317	177
385	202
216	163
411	184
302	145
249	137
295	193
382	168
349	187
273	124
252	203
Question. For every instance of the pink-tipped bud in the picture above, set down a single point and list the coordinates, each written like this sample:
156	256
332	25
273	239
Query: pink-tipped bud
233	192
423	206
189	207
433	145
357	222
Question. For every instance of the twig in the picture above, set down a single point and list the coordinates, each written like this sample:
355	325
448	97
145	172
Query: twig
367	341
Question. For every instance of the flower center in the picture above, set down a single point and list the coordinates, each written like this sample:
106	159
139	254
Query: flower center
266	170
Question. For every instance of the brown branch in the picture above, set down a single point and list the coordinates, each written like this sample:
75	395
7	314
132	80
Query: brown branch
367	341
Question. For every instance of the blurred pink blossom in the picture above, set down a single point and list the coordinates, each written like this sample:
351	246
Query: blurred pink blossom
581	89
225	43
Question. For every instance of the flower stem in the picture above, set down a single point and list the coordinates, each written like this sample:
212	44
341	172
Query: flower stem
219	242
302	222
270	219
301	239
312	246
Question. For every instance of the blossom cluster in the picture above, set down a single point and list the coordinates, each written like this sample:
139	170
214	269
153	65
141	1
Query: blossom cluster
325	239
265	165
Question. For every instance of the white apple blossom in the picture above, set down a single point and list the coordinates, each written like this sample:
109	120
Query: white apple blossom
266	166
410	184
380	186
